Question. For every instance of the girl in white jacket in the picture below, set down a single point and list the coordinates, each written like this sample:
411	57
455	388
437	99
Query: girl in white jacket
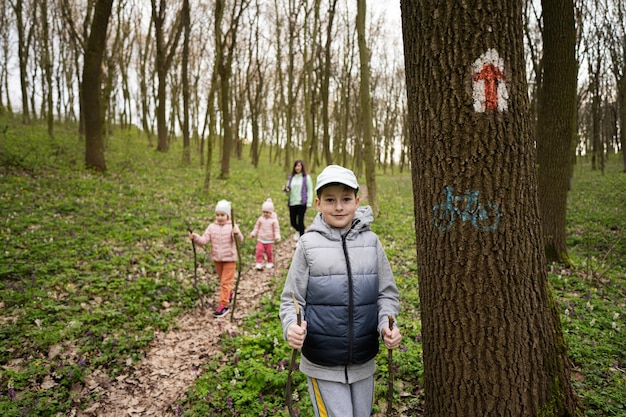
267	231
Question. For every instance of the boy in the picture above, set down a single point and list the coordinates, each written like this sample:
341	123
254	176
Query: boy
341	277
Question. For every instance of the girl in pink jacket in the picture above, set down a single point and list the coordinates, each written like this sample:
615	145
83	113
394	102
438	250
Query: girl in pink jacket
267	231
222	234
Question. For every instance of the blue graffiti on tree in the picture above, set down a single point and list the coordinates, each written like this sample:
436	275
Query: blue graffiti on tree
466	206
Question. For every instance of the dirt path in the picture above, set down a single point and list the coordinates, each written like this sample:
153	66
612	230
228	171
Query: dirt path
174	359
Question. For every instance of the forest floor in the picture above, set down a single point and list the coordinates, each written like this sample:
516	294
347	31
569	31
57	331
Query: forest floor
174	359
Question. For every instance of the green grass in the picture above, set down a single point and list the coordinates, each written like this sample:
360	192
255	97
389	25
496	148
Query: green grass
91	265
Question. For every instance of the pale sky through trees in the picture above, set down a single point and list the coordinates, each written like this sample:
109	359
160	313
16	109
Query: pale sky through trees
387	11
391	10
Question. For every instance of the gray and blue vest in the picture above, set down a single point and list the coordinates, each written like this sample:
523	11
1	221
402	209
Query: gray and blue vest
342	295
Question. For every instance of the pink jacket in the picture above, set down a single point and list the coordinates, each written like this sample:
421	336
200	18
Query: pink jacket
223	247
266	229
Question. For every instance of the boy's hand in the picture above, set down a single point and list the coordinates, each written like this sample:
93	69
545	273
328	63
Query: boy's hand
277	239
296	335
392	338
236	230
191	236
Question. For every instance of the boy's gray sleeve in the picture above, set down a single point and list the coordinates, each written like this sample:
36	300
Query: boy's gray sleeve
296	283
388	296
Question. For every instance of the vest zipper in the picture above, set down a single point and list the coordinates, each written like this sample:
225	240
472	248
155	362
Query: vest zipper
350	293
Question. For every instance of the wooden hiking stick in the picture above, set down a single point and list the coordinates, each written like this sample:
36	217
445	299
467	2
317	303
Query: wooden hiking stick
195	269
232	222
292	363
390	377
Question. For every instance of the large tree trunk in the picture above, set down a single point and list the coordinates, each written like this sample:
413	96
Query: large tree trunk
556	124
492	341
92	78
366	109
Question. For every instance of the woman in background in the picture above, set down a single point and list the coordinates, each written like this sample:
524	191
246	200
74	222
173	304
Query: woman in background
299	188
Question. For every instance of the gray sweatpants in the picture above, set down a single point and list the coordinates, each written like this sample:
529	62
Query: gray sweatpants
334	399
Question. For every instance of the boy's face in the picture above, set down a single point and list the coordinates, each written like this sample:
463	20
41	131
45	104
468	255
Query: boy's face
337	203
267	214
221	217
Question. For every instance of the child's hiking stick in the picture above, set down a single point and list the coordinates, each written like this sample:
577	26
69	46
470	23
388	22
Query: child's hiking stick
292	363
232	222
195	269
390	377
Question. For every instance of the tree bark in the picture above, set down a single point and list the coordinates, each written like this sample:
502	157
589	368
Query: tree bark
556	124
92	79
493	345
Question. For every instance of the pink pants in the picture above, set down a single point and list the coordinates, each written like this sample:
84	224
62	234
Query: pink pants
264	249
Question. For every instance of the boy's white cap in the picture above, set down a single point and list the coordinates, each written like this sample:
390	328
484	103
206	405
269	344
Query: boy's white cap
223	206
335	174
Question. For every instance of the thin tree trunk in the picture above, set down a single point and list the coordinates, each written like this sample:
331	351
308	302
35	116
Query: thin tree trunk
144	77
369	153
622	118
556	124
185	81
164	55
18	8
92	79
47	68
325	85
